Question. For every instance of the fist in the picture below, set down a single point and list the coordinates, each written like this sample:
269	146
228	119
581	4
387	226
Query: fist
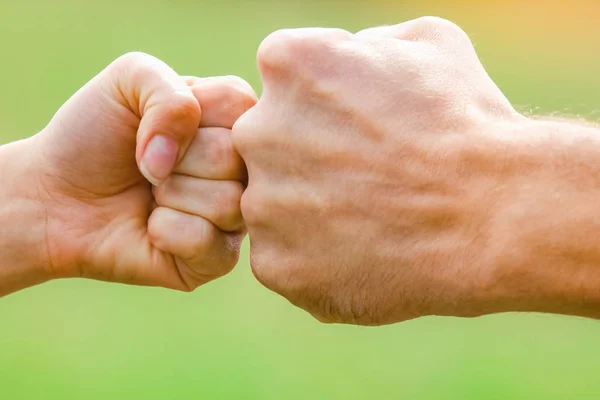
139	179
373	159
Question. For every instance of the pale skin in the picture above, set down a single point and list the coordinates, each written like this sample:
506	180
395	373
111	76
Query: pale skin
135	180
390	179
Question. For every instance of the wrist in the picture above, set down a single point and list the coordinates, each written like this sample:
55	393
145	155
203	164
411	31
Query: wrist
24	258
545	232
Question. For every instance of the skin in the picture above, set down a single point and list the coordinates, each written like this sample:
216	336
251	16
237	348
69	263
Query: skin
77	199
389	179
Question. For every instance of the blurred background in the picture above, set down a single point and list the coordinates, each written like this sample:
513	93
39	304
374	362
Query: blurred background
233	339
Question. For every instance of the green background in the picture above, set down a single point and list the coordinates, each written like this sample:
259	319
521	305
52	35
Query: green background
233	339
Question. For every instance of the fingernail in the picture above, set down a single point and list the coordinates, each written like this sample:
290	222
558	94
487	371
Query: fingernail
159	159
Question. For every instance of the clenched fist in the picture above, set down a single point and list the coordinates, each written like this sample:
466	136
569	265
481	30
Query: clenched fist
379	166
135	180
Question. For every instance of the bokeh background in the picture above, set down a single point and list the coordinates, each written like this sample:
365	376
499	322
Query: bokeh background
233	339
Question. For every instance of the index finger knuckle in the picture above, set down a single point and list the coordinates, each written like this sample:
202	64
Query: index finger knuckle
252	206
289	49
436	29
223	158
240	85
227	210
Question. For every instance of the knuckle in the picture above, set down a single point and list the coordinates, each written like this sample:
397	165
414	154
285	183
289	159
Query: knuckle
273	51
251	207
169	189
241	85
431	23
266	266
296	47
160	221
154	227
139	67
185	105
289	275
162	193
248	100
444	25
236	101
223	155
227	208
203	236
234	195
242	97
438	29
259	270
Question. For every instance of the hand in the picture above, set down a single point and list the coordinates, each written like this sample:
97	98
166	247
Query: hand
103	220
377	164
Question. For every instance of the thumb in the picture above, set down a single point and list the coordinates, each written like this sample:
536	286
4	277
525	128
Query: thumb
168	110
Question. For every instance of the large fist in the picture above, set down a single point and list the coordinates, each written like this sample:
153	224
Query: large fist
373	162
139	179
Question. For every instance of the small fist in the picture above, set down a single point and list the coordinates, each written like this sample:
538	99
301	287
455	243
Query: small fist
139	179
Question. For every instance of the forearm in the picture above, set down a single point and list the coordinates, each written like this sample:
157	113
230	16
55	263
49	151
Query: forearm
550	261
23	260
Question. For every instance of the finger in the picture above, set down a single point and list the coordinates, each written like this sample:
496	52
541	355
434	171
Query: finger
169	112
204	252
212	156
222	99
217	201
